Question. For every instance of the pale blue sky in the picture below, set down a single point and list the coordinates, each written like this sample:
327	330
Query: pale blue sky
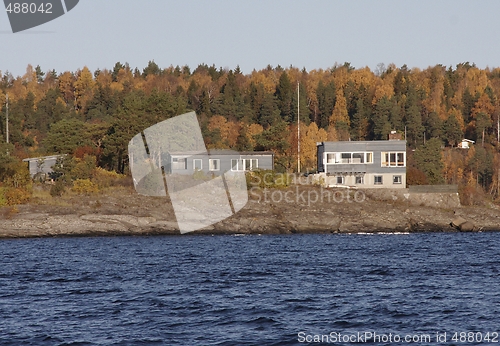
253	34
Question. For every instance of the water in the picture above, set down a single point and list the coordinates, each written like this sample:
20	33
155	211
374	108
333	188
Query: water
246	290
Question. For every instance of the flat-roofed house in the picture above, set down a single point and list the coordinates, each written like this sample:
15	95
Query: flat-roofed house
218	161
41	166
363	164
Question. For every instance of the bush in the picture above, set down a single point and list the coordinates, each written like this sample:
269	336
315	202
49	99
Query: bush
15	196
84	186
104	178
58	188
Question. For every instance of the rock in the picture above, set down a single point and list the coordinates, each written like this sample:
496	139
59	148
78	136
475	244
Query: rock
467	226
458	221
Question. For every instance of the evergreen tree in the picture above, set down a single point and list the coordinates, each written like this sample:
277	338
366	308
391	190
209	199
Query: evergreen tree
380	118
452	131
434	126
429	160
326	102
283	95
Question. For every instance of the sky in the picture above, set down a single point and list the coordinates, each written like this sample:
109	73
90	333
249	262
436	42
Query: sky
313	34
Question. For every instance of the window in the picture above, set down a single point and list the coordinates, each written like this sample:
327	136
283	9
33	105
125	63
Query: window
378	180
330	158
396	179
358	158
237	165
244	164
393	159
349	158
251	164
340	180
214	165
179	163
360	180
197	164
369	157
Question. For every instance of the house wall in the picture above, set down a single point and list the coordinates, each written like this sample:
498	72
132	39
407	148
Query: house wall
368	171
46	168
265	161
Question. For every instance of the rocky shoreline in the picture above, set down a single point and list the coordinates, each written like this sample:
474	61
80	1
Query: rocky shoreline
128	214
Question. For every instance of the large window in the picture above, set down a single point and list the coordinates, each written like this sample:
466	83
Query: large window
360	180
251	164
393	159
377	180
244	164
349	157
179	163
214	165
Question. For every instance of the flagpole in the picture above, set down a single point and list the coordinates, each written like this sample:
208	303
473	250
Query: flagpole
298	128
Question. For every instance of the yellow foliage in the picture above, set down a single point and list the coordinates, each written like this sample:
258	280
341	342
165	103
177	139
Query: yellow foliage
84	186
253	130
104	178
339	114
483	105
14	196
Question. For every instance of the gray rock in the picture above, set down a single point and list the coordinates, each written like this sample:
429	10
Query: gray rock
458	221
467	226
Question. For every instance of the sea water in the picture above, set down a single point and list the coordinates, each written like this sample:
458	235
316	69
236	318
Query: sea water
251	290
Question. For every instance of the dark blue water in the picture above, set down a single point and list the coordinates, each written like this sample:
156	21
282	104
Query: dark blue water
248	290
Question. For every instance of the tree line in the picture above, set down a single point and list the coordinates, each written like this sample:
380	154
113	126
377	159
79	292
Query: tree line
97	113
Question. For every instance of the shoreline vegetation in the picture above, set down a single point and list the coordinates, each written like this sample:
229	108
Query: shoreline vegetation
88	118
120	211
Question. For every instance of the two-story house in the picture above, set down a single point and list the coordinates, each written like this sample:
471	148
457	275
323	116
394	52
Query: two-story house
363	164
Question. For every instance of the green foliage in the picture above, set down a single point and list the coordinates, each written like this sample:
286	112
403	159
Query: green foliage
428	159
58	189
452	131
65	136
381	124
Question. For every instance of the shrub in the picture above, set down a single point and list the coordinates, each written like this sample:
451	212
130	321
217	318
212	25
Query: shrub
104	178
15	196
58	188
84	186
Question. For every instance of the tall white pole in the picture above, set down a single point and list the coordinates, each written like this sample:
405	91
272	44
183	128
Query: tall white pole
298	128
7	117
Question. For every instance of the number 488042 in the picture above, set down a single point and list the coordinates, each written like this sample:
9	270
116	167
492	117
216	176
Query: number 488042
29	8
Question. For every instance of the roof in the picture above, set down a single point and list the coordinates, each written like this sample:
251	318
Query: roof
43	158
468	140
222	152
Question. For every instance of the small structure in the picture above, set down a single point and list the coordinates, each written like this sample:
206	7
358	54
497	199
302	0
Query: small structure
41	167
465	143
395	136
363	164
218	161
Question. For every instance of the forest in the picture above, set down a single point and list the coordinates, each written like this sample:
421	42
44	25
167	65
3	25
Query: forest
93	115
